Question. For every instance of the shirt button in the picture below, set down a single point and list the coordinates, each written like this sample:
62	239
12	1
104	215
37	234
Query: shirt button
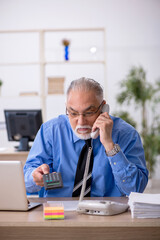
123	180
114	163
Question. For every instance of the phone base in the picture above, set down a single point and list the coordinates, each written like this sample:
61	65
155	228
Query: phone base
106	208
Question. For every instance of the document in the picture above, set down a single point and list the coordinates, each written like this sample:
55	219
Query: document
144	205
68	205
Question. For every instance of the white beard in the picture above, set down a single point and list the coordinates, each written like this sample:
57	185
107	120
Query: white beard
83	136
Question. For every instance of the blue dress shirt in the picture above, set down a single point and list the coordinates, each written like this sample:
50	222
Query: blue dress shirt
57	146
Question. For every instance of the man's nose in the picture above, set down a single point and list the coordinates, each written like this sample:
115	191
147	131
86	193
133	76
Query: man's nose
81	119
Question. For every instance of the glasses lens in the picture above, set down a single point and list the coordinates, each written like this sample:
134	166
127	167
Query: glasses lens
85	114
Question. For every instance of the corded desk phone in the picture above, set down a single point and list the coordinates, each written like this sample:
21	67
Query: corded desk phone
98	207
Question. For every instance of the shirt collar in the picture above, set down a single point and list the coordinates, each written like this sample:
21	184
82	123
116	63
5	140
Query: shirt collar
75	138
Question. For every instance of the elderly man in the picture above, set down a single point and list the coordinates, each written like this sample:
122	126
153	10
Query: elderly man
117	164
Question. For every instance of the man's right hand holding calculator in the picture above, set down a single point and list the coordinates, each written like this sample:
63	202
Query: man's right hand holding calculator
42	177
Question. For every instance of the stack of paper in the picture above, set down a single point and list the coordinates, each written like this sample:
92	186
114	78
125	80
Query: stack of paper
53	211
144	205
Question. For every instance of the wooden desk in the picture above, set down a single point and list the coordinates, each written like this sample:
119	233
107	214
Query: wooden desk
31	225
11	154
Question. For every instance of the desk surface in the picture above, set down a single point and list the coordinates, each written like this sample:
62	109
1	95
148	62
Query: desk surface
12	154
23	225
12	151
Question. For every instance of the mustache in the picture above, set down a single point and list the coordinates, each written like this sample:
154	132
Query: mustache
84	126
82	136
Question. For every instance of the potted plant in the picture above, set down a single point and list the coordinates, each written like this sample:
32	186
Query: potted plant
145	96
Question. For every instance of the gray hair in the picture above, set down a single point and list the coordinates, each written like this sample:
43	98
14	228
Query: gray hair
86	84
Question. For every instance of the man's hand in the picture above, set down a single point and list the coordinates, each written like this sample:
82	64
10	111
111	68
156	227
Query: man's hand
105	125
38	174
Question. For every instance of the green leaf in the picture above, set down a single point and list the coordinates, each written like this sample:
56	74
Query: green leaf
136	89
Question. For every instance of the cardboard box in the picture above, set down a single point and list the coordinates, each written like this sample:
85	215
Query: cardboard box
56	85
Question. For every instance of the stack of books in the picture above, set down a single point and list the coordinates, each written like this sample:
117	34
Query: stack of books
144	205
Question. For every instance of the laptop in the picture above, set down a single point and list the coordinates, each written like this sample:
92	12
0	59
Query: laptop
12	187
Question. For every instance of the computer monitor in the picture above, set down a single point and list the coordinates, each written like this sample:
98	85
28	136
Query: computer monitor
22	126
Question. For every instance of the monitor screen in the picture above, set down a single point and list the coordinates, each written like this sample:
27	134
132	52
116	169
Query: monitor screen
22	126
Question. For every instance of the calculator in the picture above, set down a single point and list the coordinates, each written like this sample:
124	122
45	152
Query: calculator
52	180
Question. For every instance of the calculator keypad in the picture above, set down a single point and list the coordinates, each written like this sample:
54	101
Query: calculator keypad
52	180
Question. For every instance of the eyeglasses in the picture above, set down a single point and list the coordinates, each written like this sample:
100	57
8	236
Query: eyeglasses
88	114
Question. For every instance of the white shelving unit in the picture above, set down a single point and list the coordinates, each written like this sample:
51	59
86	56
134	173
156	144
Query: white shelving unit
29	57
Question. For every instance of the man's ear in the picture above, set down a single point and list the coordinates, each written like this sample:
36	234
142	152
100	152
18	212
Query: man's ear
105	107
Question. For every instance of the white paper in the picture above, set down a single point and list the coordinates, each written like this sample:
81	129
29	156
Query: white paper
2	149
68	205
144	205
144	198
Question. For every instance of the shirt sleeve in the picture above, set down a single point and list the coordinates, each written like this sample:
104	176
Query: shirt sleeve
29	183
39	154
129	166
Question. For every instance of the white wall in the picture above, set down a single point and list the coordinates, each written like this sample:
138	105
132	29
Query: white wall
132	27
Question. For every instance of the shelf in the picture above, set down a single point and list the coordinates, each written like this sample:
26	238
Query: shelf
18	96
52	62
53	30
49	65
75	62
19	63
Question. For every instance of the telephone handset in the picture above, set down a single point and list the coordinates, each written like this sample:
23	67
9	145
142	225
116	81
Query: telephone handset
95	134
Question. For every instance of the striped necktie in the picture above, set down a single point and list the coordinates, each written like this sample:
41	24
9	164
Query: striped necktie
80	172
